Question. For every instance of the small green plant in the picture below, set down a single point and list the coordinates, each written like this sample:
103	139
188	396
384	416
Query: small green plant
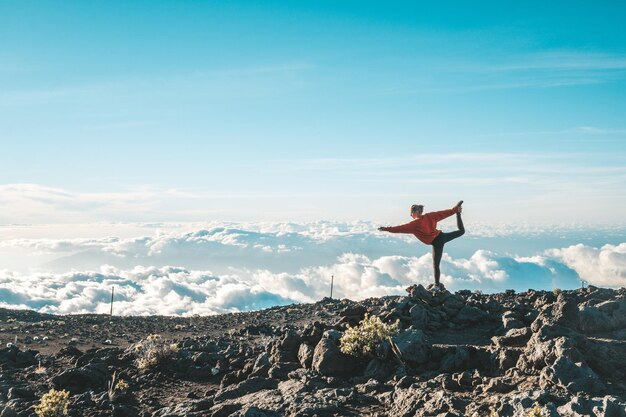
152	351
121	385
53	404
536	411
557	291
116	386
363	339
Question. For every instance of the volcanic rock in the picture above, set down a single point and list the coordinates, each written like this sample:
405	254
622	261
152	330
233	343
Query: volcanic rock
465	354
328	359
77	380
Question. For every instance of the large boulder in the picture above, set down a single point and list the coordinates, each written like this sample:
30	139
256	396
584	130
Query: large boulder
415	401
606	316
328	359
189	408
510	321
500	385
469	315
457	359
419	315
7	411
379	369
76	380
538	354
412	347
305	355
514	337
452	305
419	293
281	370
565	311
246	387
581	406
406	401
20	393
14	357
575	377
606	357
312	333
286	350
352	314
505	358
261	365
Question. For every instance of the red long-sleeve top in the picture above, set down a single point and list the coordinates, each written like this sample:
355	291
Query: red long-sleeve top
424	227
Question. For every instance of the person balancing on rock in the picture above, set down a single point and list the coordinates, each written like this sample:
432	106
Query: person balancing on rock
424	227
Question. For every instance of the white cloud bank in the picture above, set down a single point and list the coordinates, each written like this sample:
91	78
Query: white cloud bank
222	267
179	291
605	266
275	246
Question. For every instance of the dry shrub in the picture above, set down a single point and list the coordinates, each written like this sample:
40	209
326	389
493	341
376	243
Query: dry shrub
53	404
152	351
362	340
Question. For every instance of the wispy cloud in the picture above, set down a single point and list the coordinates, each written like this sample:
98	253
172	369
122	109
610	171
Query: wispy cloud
601	130
530	83
33	201
126	124
429	159
573	133
225	83
42	96
544	69
478	168
556	60
522	179
281	68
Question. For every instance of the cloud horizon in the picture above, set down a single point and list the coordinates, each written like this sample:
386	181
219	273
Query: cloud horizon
235	267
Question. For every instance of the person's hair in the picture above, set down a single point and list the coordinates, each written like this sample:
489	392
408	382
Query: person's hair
416	207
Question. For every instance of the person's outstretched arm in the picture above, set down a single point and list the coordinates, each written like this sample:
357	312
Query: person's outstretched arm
403	228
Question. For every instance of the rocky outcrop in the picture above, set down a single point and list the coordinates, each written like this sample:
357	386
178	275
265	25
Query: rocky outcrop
462	354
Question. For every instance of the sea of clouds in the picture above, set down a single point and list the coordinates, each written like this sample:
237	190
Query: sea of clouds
217	268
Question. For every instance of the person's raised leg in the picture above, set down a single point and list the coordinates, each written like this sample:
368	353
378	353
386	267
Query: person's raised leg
446	237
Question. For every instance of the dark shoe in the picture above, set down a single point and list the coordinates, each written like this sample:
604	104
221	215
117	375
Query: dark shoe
435	288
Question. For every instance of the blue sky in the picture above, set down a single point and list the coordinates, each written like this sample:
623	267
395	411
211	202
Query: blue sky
231	155
192	111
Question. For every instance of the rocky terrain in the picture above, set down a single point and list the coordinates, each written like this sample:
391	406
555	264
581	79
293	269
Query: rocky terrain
536	353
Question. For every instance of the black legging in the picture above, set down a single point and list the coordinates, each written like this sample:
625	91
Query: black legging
441	240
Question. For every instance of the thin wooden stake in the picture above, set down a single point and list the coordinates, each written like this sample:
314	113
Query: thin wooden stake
332	280
112	291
